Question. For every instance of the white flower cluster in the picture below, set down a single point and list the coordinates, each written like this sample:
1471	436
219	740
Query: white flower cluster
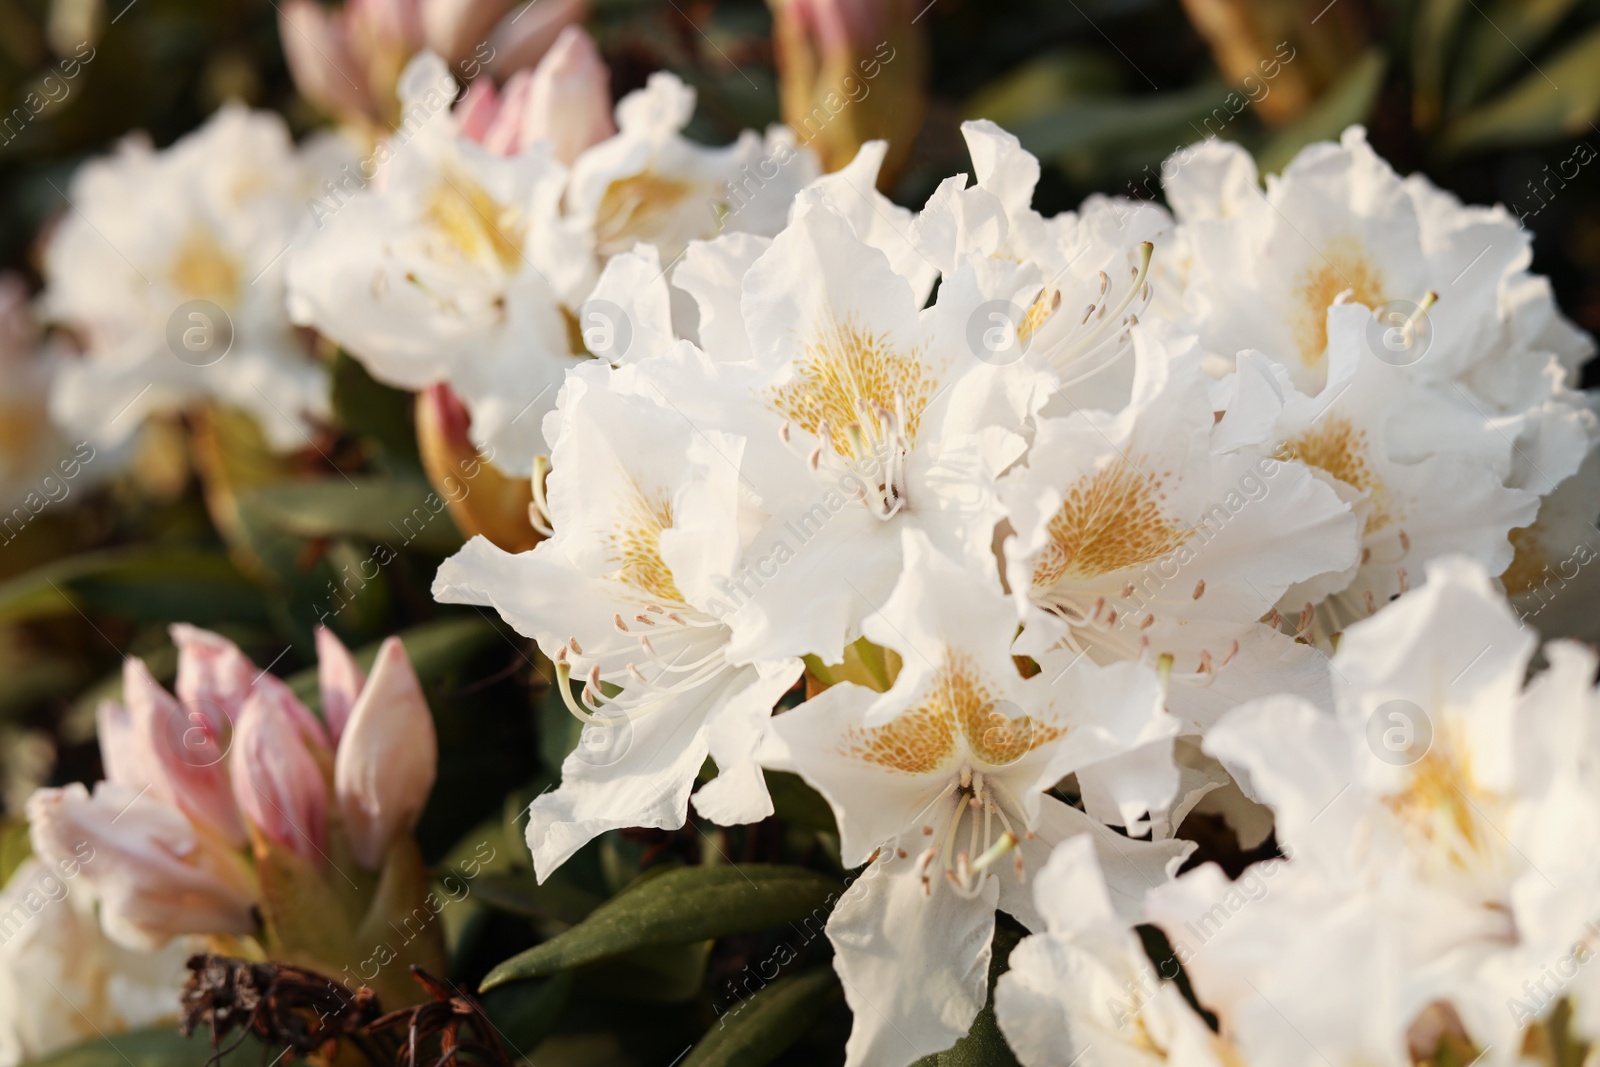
1077	508
466	260
1068	527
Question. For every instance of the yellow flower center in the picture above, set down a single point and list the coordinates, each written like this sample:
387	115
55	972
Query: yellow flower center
849	376
1336	447
637	208
202	270
475	224
636	546
1109	520
957	703
1342	265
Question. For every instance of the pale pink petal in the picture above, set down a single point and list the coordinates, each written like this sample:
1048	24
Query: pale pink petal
388	757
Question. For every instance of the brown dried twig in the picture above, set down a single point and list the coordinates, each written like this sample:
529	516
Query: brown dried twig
465	1034
278	1003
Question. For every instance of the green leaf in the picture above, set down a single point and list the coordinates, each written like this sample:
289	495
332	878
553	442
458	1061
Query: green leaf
158	1046
1431	35
1497	43
144	584
1151	123
521	894
659	974
525	1014
1557	101
15	846
984	1045
382	510
675	908
1349	101
1040	83
795	802
379	414
762	1028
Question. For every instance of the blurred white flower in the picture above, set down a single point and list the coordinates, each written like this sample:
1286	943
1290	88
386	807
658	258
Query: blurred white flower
1430	824
1082	990
466	259
61	979
168	267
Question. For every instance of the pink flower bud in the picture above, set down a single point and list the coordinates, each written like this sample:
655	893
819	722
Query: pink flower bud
123	750
320	59
340	678
497	505
394	22
277	780
211	669
869	53
387	759
525	34
157	874
566	101
476	110
215	678
455	28
186	745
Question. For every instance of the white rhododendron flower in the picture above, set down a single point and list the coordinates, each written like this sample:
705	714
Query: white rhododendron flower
1428	821
938	785
168	267
61	979
1450	500
629	593
486	225
1482	365
1083	990
1083	274
864	415
1136	537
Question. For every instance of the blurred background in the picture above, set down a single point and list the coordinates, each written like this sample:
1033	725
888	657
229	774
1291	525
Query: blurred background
1496	100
